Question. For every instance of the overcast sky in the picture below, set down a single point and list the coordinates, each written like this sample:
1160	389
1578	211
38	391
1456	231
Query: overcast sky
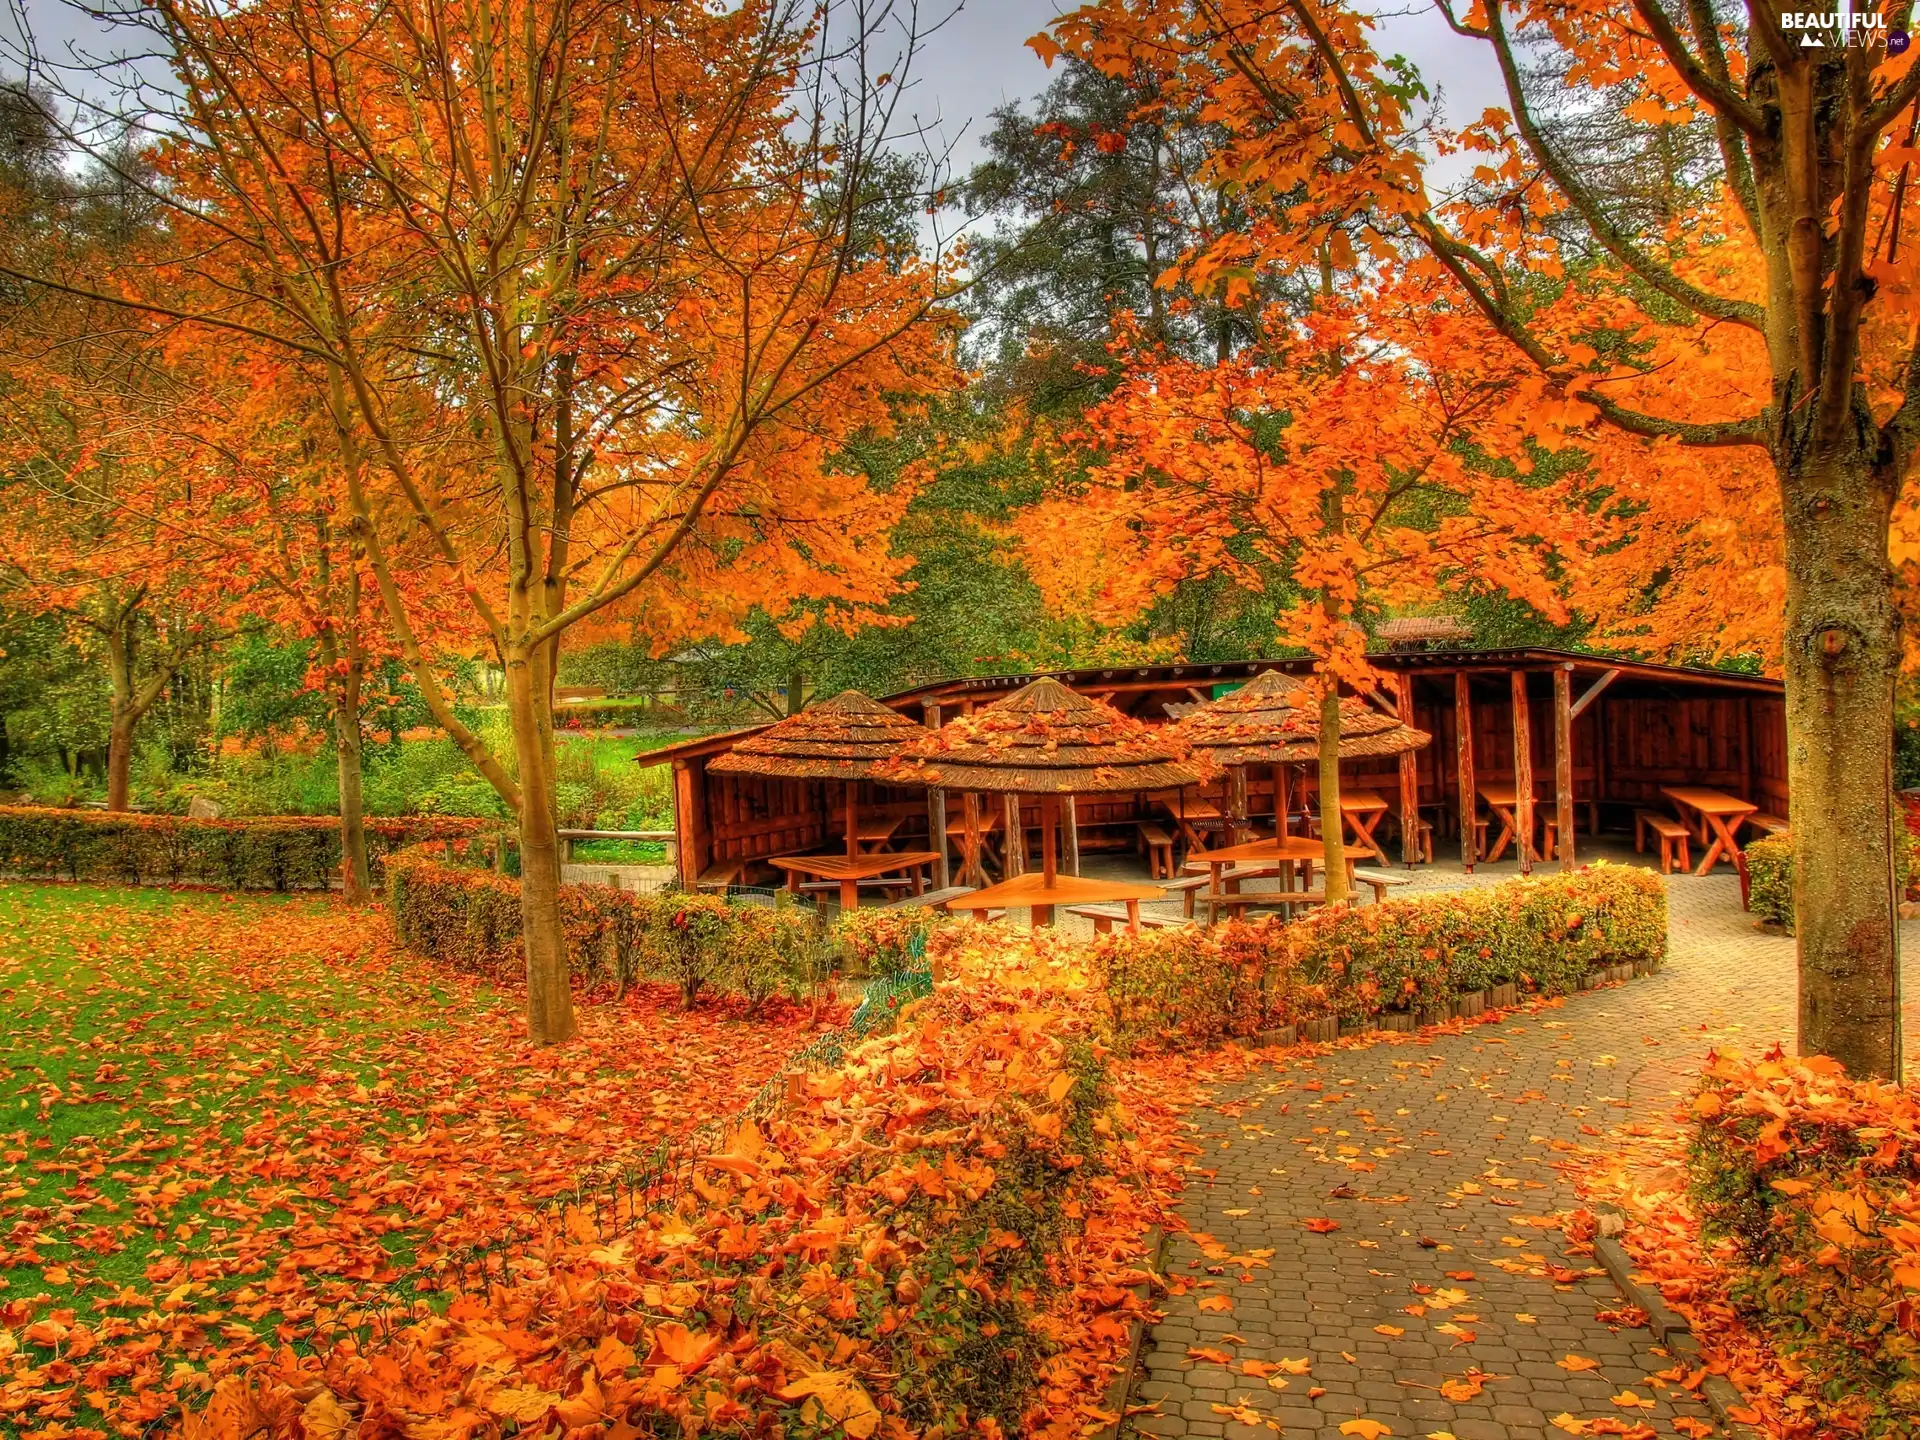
977	60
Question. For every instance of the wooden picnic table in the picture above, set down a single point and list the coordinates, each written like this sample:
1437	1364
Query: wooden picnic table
1502	800
1363	810
1282	852
1183	810
850	870
875	832
1713	815
1035	894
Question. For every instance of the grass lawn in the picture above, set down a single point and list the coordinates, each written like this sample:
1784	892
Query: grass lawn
230	1122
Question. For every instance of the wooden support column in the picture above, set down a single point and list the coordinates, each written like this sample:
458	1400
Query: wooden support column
1563	761
1016	846
853	817
936	809
1522	771
686	824
1463	753
1409	777
1049	865
1071	811
972	872
1236	804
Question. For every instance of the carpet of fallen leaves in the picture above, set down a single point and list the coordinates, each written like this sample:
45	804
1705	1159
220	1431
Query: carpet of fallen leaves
231	1124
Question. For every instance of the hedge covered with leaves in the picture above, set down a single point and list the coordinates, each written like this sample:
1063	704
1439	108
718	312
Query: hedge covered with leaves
469	917
917	1241
1770	873
1194	987
1815	1179
280	852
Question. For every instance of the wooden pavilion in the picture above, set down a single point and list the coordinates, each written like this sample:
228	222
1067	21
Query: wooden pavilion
1598	736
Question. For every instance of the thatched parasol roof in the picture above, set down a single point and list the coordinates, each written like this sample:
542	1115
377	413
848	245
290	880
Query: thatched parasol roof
838	739
1048	740
1274	720
1423	630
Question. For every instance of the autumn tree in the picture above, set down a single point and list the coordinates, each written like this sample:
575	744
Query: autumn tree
1795	269
626	241
1362	456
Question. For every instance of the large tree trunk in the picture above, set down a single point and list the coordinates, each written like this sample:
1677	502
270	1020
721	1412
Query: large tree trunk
529	707
1332	825
1842	655
346	662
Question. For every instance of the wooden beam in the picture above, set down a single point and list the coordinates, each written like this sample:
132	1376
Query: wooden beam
1071	812
686	823
1563	761
1409	777
972	872
1463	753
1016	846
936	808
1523	771
1588	695
1236	804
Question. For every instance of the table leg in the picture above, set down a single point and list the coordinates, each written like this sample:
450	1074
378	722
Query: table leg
1041	915
1507	823
1133	917
979	916
919	880
1723	844
849	894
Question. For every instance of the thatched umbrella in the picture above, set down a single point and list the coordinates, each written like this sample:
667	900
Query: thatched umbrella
839	739
1275	720
1049	741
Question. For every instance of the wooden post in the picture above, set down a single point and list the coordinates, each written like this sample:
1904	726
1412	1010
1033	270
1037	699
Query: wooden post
1409	777
971	870
1072	811
936	809
1463	753
1236	804
1563	760
1016	846
1049	834
853	819
1522	770
686	824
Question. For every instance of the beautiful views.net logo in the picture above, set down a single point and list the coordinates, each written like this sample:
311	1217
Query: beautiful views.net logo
1842	28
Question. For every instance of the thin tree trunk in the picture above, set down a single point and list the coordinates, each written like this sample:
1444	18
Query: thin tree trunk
549	997
1332	826
123	716
1842	655
345	663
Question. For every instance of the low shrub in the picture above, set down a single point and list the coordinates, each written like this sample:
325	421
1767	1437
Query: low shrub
1192	987
1814	1180
469	917
281	852
1770	872
885	1254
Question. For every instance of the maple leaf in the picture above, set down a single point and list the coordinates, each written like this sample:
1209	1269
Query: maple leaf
1215	1303
1365	1428
1320	1225
1577	1363
843	1398
525	1403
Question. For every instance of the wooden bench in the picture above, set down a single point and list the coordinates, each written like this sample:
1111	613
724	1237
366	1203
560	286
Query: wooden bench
888	883
1674	839
1187	887
720	875
1105	917
1159	844
1218	900
1380	882
930	899
1767	824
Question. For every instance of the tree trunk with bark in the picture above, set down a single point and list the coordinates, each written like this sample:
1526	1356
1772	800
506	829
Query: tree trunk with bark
122	650
550	1018
1842	657
1332	826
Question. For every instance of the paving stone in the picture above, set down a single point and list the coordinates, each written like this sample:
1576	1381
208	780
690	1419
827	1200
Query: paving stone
1450	1137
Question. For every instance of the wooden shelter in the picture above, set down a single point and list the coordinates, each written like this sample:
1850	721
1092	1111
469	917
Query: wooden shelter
1273	720
1049	741
841	739
1604	735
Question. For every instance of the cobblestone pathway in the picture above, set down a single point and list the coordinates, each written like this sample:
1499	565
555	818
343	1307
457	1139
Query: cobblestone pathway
1433	1157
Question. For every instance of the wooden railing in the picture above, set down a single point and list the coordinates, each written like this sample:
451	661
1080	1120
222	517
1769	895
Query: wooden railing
567	837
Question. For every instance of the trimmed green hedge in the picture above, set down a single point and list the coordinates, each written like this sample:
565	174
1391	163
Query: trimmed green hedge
278	852
1543	934
1770	874
469	918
